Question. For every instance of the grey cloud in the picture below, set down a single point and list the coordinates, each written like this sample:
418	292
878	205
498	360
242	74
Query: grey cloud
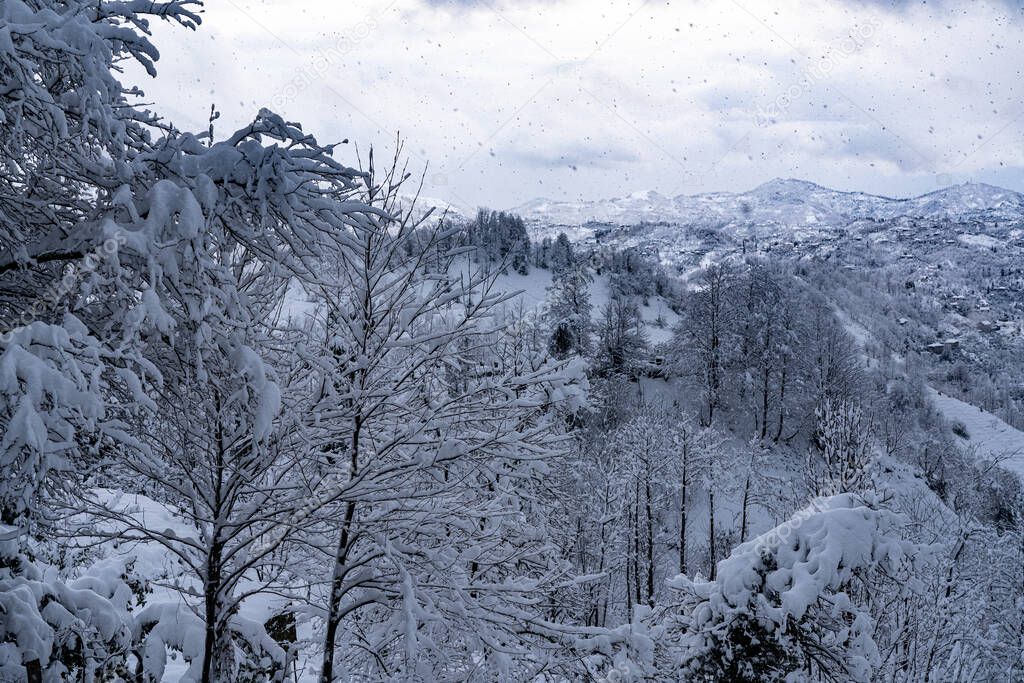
571	156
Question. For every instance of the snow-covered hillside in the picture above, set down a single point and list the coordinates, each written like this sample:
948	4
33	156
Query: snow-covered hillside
657	315
530	293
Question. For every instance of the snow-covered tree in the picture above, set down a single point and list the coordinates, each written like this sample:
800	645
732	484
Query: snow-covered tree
157	253
72	152
839	459
622	342
500	237
434	428
562	256
700	342
645	450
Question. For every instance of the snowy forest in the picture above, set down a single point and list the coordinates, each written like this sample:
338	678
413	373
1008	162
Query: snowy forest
266	415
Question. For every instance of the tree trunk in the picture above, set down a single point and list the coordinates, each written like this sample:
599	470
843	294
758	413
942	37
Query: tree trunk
713	379
743	515
602	606
334	604
581	548
782	397
682	517
340	559
211	600
764	402
212	580
713	571
629	568
746	499
650	542
637	597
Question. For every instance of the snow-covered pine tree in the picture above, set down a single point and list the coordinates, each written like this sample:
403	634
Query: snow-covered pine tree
500	237
569	310
562	256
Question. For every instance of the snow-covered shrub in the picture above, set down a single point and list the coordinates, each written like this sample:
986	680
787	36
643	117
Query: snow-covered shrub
53	631
172	629
783	606
47	377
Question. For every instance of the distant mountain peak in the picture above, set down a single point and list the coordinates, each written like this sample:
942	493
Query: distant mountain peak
422	204
972	196
787	185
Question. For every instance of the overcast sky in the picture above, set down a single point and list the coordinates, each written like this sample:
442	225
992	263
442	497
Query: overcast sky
509	101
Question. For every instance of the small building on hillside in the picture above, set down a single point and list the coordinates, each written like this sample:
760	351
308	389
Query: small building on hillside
947	347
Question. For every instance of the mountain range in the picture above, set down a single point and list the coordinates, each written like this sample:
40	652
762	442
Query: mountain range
782	203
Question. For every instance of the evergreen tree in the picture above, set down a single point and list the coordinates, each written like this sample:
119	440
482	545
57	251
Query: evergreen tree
562	256
569	311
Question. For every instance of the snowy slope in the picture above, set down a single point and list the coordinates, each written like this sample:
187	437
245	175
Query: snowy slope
532	292
990	437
